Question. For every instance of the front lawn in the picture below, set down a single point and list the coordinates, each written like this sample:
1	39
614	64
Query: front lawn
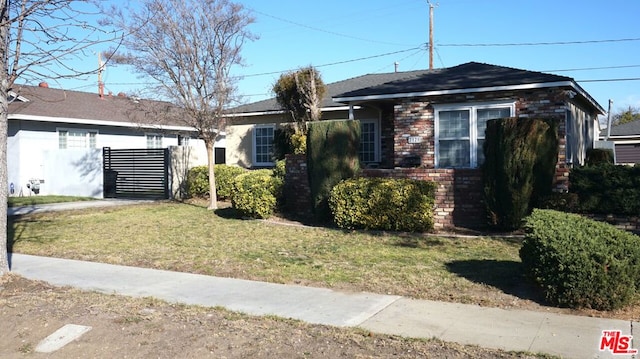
35	200
189	238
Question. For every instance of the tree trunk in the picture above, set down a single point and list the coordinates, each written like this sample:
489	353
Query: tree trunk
4	178
213	196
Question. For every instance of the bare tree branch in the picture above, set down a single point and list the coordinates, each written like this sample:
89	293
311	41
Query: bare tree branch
38	39
188	47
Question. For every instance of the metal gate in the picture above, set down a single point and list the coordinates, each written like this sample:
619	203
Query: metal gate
136	173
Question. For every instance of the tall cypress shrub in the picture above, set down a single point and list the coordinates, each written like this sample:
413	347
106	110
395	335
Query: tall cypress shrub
520	159
332	155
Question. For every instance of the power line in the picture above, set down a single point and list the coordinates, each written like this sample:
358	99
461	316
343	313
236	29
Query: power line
326	31
611	80
335	63
594	68
540	43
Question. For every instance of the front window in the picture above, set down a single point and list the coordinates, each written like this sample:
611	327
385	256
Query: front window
368	141
154	141
75	138
263	145
460	132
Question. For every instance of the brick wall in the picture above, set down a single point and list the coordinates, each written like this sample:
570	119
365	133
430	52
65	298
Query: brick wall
415	118
458	201
297	194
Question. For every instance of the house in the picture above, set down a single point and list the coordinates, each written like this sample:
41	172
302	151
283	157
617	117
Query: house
55	137
430	125
626	139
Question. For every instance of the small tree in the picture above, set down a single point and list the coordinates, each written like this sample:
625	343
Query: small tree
300	93
625	116
38	40
189	48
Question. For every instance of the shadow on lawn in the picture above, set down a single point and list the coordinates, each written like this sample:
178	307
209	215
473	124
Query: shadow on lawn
508	276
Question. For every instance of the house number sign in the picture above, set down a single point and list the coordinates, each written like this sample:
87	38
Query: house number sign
414	139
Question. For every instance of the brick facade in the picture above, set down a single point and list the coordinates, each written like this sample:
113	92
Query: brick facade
297	193
459	193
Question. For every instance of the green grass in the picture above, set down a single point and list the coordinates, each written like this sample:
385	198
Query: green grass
189	238
33	200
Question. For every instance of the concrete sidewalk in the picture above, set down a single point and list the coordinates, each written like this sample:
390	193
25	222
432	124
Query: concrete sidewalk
66	206
563	335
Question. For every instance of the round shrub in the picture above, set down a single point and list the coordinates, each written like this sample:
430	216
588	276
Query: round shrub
198	180
225	175
255	193
580	263
385	204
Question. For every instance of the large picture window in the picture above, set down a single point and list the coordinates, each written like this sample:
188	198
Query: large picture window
263	145
460	131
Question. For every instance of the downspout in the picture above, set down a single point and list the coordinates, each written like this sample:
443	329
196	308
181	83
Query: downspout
609	121
351	115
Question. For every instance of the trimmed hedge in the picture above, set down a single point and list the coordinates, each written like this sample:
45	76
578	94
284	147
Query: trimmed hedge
384	204
520	159
332	156
607	189
581	263
198	180
255	193
598	156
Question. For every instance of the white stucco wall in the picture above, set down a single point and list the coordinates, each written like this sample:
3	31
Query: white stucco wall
34	154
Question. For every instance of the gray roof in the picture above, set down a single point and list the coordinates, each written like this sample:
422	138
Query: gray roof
468	76
471	75
67	104
334	89
626	129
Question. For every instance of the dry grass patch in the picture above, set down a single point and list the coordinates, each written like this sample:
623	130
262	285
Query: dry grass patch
189	238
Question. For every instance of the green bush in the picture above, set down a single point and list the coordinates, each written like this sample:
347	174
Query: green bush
581	263
599	156
564	202
607	189
385	204
520	159
332	155
225	175
255	193
198	180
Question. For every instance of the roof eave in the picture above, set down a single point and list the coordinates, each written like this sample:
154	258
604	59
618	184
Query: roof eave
572	84
98	122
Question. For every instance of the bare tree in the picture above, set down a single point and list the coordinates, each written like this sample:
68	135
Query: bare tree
189	47
39	38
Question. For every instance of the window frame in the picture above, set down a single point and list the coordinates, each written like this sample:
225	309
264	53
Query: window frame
376	140
473	136
254	144
155	138
90	138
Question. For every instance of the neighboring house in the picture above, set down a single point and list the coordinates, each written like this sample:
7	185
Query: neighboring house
430	125
626	139
55	137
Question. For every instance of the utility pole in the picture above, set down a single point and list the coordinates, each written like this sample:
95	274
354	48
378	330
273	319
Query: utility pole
430	35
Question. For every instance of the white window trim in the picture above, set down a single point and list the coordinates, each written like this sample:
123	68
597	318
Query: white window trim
146	138
473	128
376	140
254	154
86	132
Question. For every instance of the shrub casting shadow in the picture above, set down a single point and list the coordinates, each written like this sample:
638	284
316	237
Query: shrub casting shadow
228	213
508	276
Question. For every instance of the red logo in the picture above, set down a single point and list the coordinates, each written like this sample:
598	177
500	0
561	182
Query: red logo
616	342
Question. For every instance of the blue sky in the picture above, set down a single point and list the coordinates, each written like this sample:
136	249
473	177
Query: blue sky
349	38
